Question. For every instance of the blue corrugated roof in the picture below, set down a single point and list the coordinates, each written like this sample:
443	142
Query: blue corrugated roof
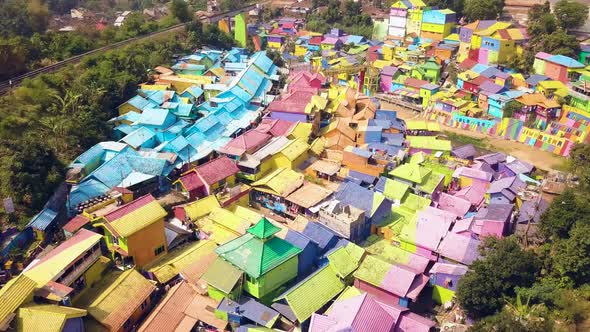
249	308
155	117
350	193
138	137
535	79
478	68
140	103
263	62
320	234
362	152
43	219
297	239
364	178
565	61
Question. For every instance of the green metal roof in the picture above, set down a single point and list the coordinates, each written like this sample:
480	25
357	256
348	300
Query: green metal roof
257	256
410	172
311	294
346	259
372	270
263	229
430	182
222	275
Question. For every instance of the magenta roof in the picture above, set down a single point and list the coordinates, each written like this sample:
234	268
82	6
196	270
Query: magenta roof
217	169
275	127
250	140
398	280
453	204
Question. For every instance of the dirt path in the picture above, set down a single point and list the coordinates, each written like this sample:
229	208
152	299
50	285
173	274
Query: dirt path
541	159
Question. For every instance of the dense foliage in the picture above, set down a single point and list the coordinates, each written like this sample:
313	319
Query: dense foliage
346	15
483	9
48	121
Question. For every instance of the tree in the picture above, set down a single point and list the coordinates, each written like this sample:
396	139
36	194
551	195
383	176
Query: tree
180	10
563	213
454	5
194	31
507	321
570	14
483	9
579	164
510	108
572	259
502	267
276	57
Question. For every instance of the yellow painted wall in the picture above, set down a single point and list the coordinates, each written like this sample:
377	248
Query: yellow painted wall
475	42
465	181
300	50
273	45
445	29
126	108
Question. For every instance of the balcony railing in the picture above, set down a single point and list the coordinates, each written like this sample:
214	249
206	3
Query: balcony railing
79	268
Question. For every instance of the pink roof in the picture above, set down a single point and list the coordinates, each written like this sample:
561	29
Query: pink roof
417	286
129	207
450	269
330	40
394	310
191	181
414	83
363	314
398	280
217	169
76	223
417	263
462	249
474	194
320	323
543	55
472	173
411	322
456	205
275	127
249	141
80	236
432	225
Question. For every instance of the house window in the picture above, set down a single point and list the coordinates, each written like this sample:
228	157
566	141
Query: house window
159	250
114	240
127	324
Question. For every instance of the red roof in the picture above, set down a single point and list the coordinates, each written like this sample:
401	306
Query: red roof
250	140
317	40
76	223
275	127
479	80
288	25
217	170
414	83
191	180
129	207
298	96
467	64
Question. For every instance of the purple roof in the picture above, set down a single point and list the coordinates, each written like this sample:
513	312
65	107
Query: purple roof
490	87
460	248
464	151
520	167
486	24
472	173
330	40
474	194
495	212
492	158
531	212
513	183
432	225
389	70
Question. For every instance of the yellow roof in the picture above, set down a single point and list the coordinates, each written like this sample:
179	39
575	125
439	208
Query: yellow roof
318	145
294	149
301	130
280	182
229	220
170	265
217	233
46	318
467	75
48	268
16	291
453	36
319	102
116	297
493	28
247	214
202	207
138	219
422	125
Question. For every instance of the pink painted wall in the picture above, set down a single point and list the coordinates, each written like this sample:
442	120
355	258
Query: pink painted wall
383	295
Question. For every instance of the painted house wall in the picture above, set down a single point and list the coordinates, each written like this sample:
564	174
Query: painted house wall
142	244
272	279
74	325
292	117
556	72
442	295
414	23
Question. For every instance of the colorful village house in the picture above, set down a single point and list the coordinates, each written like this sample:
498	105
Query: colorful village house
267	261
272	190
134	233
391	284
62	318
16	292
119	301
495	219
482	51
207	179
297	305
539	109
437	23
182	307
309	251
275	41
557	67
69	269
444	278
246	310
579	93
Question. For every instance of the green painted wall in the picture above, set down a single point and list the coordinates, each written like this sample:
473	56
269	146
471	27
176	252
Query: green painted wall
273	279
240	31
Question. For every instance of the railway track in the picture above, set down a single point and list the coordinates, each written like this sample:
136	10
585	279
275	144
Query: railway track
13	82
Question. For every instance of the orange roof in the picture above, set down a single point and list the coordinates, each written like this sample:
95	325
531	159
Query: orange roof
534	99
